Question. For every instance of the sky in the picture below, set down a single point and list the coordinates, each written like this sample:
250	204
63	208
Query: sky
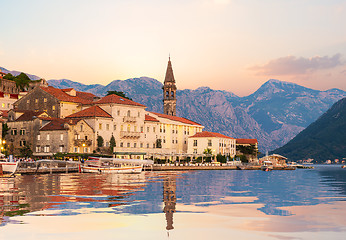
233	45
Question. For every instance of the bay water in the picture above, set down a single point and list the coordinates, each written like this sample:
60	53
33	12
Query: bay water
225	204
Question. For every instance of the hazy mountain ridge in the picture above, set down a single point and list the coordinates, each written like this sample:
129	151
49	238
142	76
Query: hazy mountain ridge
273	114
16	73
323	139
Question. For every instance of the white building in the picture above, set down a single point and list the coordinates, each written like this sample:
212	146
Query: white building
216	142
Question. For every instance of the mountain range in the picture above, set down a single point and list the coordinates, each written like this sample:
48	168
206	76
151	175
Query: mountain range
323	139
273	114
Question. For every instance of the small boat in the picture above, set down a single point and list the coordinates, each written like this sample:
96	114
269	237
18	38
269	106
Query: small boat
113	165
267	166
8	168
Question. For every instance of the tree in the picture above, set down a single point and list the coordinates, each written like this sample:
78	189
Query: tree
112	144
9	76
25	151
22	81
207	151
119	93
5	129
99	141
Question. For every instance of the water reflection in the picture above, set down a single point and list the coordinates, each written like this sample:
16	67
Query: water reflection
281	201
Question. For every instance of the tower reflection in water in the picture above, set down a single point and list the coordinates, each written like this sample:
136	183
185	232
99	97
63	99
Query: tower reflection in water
169	199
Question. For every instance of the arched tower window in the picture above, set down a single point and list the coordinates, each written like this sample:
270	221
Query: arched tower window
172	94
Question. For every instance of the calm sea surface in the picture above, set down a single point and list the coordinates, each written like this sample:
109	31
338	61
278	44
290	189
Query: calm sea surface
300	204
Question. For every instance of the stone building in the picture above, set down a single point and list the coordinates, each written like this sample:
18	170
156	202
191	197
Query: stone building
64	136
24	127
58	103
169	92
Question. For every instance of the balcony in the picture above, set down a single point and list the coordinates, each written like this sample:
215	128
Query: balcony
124	134
129	119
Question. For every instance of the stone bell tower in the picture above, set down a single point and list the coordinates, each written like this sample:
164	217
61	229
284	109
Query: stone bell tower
169	90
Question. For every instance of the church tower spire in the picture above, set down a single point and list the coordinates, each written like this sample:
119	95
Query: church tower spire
169	90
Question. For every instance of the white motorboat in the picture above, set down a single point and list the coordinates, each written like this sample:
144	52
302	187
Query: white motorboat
8	168
114	165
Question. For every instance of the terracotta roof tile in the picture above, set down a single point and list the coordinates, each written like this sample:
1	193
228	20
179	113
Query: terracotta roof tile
4	113
210	134
150	118
62	96
246	141
94	111
28	116
175	118
118	100
55	124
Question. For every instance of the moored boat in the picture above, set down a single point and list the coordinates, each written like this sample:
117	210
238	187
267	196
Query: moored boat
8	168
114	165
267	166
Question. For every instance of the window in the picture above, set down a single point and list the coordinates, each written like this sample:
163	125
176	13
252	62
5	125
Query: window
39	137
45	100
118	112
81	127
147	145
27	101
61	148
22	132
100	126
121	144
53	108
128	145
128	113
86	137
114	127
85	150
154	129
147	129
141	145
135	145
128	128
48	136
75	149
121	128
194	150
107	127
36	100
209	143
46	148
22	143
38	148
135	128
195	143
142	129
14	132
139	114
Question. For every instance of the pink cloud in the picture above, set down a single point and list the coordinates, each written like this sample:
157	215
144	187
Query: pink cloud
292	65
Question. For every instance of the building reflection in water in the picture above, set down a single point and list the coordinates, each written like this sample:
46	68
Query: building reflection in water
169	199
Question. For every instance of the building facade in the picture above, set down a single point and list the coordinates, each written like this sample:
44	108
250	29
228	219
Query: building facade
216	142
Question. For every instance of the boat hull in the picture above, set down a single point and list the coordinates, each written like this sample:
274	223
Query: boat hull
9	167
91	169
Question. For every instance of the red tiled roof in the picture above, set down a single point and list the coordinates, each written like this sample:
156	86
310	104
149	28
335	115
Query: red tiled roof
86	95
55	124
150	118
4	113
28	116
246	141
94	111
210	134
175	118
62	96
14	96
118	100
